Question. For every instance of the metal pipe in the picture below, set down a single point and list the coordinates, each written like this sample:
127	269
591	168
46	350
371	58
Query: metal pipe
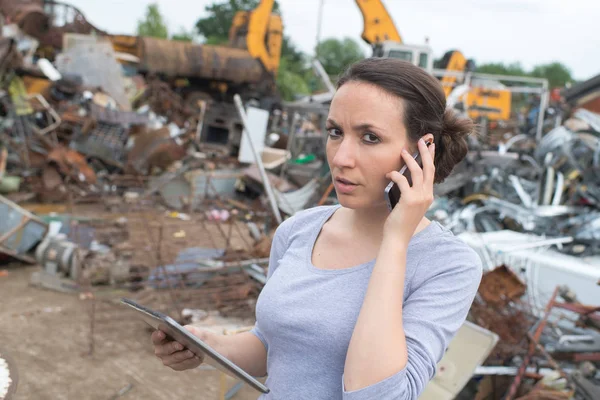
240	107
512	141
560	182
523	195
543	106
323	75
540	243
290	142
458	74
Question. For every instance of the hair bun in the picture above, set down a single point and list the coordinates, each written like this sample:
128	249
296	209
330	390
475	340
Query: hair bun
454	147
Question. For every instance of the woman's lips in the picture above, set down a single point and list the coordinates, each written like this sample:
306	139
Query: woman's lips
344	186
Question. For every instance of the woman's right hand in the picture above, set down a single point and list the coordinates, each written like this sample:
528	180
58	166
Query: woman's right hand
174	354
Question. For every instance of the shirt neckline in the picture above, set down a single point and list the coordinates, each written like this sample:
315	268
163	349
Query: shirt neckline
313	239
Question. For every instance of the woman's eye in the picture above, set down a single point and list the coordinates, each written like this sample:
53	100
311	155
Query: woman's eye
370	138
334	132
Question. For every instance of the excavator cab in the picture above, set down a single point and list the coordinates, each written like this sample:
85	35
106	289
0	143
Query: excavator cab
419	55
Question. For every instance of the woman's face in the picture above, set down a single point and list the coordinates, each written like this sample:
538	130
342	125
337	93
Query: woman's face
366	135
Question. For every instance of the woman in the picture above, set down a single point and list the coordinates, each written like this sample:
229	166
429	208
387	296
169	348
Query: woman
361	303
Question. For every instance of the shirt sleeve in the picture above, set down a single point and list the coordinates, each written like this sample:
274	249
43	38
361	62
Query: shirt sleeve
278	247
432	314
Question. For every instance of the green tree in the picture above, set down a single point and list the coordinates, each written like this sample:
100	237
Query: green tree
215	26
558	75
183	36
514	69
153	25
290	83
335	55
296	59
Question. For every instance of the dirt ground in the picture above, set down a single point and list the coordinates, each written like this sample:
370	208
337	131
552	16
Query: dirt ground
47	333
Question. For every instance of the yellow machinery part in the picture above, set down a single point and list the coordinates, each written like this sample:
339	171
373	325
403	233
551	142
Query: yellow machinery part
261	33
35	85
378	24
258	25
18	95
275	42
456	63
124	44
240	20
494	104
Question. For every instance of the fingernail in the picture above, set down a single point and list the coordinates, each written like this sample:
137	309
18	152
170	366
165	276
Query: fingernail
189	353
421	140
179	346
404	151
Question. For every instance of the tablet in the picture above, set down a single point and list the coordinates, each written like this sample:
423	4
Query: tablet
177	332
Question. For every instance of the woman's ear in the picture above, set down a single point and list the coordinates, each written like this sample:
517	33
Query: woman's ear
428	137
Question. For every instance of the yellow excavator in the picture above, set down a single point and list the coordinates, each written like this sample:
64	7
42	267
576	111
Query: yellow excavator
483	99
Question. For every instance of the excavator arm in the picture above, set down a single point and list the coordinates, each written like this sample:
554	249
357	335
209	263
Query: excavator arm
261	33
378	24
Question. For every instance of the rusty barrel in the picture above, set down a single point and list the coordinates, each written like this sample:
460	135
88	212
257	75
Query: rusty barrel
183	59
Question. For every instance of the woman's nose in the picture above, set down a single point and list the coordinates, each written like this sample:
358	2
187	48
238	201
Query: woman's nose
345	155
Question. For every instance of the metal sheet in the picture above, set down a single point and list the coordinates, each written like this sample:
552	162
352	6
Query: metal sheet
23	239
206	183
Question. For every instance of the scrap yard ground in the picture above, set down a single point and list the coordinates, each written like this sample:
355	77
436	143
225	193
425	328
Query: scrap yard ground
53	356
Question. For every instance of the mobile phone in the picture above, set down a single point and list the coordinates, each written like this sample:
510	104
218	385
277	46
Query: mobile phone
392	191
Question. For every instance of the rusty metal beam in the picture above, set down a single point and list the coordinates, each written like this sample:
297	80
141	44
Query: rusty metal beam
549	358
512	391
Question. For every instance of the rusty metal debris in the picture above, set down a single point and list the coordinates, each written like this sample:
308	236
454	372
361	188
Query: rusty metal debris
501	286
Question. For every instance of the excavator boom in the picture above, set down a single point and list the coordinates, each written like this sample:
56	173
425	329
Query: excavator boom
378	24
262	24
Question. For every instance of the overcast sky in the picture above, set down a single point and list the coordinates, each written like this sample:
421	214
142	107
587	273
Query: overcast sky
527	31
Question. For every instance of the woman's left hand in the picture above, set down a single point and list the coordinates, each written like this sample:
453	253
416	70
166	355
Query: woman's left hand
415	200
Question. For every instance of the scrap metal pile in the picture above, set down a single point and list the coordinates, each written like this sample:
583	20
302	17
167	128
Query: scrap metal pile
551	189
532	212
114	178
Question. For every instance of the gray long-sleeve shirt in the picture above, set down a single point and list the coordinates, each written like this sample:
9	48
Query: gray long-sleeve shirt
306	315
